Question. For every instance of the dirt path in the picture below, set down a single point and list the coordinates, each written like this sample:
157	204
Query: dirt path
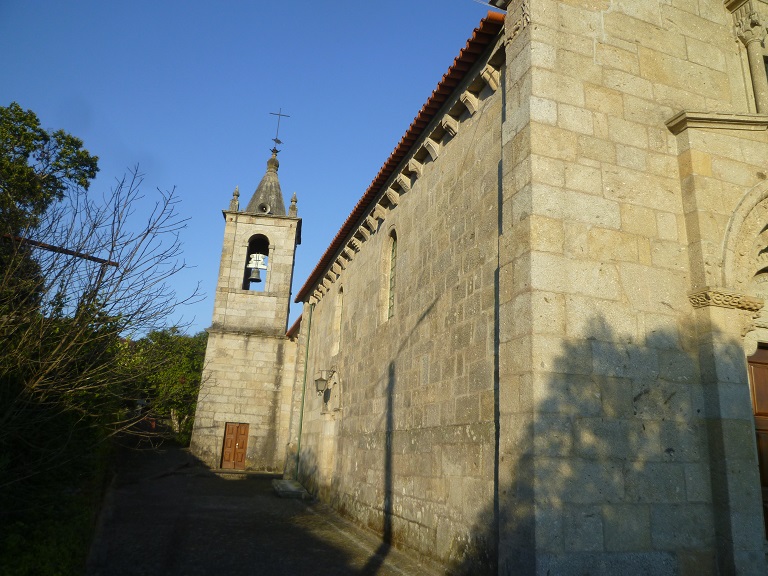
164	515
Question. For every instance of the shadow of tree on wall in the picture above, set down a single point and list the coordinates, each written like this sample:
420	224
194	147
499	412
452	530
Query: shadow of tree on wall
616	475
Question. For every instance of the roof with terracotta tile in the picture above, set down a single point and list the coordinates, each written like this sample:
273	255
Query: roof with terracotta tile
482	37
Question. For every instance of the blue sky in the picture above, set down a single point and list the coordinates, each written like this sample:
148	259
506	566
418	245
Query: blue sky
184	90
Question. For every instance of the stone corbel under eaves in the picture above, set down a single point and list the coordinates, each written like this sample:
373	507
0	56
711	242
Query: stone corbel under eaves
450	125
404	182
370	222
379	212
432	148
336	268
364	232
355	244
491	77
341	262
415	167
470	101
392	196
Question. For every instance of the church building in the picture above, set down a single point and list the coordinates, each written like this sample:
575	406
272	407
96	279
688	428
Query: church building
539	342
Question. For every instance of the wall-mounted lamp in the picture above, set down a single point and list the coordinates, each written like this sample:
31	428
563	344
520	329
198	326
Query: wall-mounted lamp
321	380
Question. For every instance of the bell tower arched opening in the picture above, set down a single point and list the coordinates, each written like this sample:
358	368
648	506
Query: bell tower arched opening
256	263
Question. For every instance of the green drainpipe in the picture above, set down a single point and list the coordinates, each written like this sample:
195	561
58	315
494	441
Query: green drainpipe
304	390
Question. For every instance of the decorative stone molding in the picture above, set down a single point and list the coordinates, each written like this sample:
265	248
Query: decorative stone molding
450	125
716	121
370	222
336	268
724	299
364	232
522	21
347	254
355	244
470	101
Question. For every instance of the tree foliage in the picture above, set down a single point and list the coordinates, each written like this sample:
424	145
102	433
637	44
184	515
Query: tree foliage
170	390
37	168
81	273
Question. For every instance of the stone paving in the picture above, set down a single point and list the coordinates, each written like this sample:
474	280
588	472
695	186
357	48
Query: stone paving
167	515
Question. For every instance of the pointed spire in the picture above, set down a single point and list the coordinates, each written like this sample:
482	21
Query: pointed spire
292	210
268	198
234	204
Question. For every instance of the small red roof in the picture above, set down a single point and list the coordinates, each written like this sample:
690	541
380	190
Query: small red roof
294	329
481	38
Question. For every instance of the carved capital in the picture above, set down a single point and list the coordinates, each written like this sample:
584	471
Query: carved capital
724	299
749	24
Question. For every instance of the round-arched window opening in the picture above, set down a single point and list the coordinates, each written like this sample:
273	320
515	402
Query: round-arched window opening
256	263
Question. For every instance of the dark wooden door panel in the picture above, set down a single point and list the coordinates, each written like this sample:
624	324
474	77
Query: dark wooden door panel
235	446
241	443
758	385
228	452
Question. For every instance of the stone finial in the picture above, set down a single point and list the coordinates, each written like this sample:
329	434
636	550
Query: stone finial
234	204
292	210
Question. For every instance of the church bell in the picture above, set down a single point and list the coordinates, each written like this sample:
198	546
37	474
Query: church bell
255	275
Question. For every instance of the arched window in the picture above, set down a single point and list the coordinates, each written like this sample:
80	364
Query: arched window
392	275
336	346
256	263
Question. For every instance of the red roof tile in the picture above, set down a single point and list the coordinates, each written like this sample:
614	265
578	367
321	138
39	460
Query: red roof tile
482	36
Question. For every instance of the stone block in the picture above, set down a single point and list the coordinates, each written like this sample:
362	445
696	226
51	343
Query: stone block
627	527
681	526
652	482
583	528
579	481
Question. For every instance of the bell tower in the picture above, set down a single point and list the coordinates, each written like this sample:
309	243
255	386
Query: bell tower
242	410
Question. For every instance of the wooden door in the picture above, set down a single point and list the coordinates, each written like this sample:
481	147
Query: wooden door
758	383
235	445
